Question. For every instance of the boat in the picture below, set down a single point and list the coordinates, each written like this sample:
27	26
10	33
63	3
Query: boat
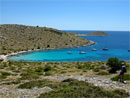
69	52
94	49
82	52
129	50
105	49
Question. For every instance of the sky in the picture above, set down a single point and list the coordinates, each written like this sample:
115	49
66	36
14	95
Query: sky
68	14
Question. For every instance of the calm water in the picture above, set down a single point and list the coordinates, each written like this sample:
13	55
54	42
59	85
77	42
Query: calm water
118	44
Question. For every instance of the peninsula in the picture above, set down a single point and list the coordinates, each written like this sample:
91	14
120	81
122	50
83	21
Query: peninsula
15	38
96	33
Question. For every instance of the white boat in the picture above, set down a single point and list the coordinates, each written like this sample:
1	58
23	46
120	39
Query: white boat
82	52
69	52
105	49
94	49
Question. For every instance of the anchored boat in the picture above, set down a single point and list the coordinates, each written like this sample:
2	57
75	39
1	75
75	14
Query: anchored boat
69	52
94	49
105	49
82	52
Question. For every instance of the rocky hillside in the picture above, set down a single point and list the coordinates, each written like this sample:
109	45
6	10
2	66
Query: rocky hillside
15	38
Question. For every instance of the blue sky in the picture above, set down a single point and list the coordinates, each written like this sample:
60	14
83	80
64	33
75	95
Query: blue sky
68	14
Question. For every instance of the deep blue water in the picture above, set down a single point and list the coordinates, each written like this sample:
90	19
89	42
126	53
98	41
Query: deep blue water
118	44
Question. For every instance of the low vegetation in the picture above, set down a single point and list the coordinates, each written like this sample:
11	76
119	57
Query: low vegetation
115	64
4	75
126	77
32	84
103	73
15	38
27	75
72	88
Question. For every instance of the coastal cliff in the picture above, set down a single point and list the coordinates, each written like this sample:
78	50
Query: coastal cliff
15	38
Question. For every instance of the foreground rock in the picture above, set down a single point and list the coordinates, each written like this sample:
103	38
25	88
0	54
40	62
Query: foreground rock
23	93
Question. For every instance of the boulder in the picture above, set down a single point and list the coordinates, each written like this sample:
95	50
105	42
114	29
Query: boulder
104	66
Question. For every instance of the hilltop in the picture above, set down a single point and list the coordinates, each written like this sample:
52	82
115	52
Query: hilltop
14	38
96	33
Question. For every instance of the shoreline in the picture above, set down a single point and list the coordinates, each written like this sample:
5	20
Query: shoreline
4	58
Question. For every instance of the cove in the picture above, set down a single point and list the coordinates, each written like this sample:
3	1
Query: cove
118	44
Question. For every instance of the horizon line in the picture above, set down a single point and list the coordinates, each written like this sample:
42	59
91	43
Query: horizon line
65	29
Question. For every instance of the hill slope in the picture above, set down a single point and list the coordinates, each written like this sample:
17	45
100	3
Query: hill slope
15	38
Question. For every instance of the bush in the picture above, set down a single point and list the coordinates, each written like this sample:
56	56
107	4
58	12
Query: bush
47	68
29	76
48	73
4	75
85	66
32	84
115	64
103	73
39	70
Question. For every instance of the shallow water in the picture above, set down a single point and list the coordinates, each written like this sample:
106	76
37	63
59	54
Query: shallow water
118	44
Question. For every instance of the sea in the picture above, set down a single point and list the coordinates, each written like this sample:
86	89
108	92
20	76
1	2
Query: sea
117	43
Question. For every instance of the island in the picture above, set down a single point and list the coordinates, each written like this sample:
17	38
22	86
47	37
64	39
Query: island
96	33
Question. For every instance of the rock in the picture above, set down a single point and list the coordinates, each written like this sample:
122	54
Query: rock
47	88
23	97
104	66
35	89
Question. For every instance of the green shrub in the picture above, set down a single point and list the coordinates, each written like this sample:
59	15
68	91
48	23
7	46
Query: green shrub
96	70
85	66
32	84
4	74
13	82
48	73
47	68
29	76
39	70
115	64
103	73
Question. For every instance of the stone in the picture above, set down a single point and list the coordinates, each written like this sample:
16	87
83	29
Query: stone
104	66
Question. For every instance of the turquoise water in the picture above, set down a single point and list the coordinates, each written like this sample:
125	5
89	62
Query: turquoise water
118	44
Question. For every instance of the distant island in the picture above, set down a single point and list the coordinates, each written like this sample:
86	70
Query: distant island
15	38
96	33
